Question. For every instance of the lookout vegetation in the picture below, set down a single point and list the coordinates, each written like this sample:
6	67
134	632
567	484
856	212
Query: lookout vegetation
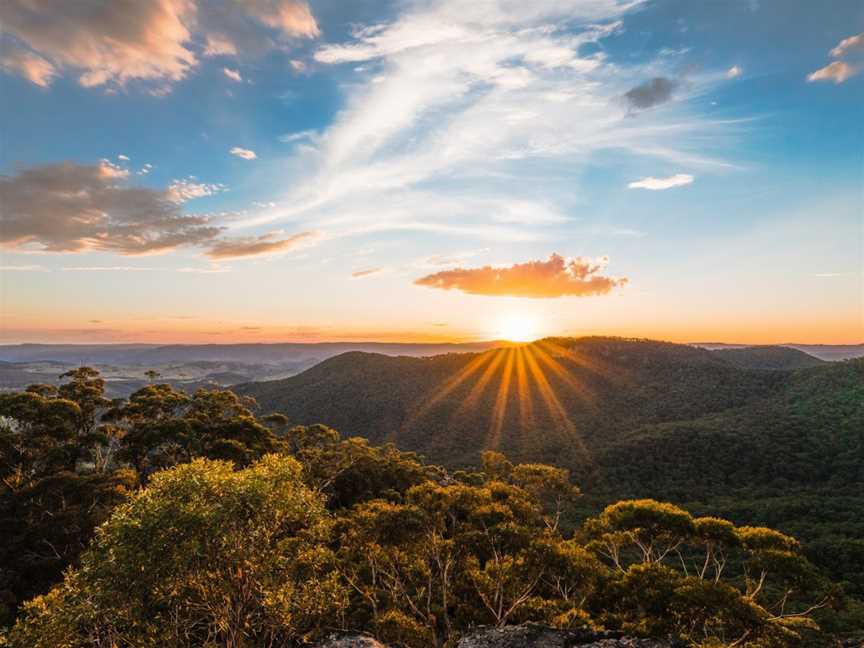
176	520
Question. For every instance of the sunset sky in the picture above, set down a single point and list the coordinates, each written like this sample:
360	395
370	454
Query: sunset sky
414	170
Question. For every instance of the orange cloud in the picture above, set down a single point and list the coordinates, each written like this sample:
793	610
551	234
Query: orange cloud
838	72
255	246
30	66
152	40
359	274
557	277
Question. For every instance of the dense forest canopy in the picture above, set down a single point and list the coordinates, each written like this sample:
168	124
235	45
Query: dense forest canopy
177	519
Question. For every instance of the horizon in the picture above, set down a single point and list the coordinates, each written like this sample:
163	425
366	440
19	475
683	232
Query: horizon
477	342
422	171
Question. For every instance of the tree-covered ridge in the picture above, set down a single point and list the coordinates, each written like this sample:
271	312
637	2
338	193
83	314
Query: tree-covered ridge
219	528
769	357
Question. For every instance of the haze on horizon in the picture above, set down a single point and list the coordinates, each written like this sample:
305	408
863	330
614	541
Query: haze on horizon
431	170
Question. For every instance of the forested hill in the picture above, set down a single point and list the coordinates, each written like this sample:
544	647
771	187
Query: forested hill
558	400
769	357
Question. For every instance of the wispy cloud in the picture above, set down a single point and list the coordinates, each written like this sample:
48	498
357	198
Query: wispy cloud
839	71
455	105
23	268
849	45
234	75
659	184
185	189
368	272
556	277
256	246
734	72
246	154
836	71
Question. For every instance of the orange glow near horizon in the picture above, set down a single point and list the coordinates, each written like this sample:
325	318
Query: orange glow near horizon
522	328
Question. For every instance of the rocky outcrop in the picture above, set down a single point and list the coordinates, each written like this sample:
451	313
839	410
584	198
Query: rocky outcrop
535	636
521	636
350	641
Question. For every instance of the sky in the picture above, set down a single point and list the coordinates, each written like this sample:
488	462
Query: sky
431	170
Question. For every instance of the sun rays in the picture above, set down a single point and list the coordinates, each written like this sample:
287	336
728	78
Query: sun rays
505	397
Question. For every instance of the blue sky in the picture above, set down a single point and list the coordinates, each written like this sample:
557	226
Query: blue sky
698	167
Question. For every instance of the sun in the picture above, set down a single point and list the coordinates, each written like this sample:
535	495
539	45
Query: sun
517	328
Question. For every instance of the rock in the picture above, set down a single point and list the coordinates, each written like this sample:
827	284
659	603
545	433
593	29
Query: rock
350	641
536	636
521	636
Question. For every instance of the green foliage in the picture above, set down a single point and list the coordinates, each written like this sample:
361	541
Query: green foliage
205	555
202	525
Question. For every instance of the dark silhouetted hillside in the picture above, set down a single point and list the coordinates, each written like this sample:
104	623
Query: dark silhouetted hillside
769	357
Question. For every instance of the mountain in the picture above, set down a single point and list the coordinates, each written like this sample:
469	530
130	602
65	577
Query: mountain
768	357
142	354
827	352
557	400
629	418
188	366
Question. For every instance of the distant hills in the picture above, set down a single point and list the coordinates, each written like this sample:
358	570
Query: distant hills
189	366
769	357
829	352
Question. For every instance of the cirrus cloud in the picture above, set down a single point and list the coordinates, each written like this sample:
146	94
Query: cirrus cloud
257	246
659	184
360	274
556	277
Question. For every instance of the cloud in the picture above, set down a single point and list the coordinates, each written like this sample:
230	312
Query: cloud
23	268
156	41
256	246
471	120
108	169
847	45
179	191
144	170
304	135
838	72
651	93
234	75
68	207
734	72
252	27
557	277
246	154
210	270
360	274
107	41
113	268
659	184
123	157
32	67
